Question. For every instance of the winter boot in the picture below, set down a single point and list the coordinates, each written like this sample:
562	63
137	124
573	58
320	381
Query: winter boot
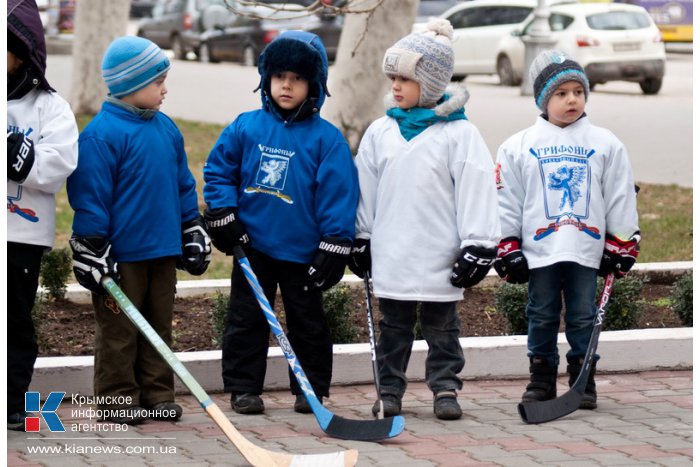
543	381
445	405
590	396
391	403
248	404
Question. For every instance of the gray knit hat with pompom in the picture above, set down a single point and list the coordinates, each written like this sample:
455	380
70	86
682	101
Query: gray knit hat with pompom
425	57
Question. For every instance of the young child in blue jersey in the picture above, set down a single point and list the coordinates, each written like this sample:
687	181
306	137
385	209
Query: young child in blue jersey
568	213
428	210
280	181
42	151
136	220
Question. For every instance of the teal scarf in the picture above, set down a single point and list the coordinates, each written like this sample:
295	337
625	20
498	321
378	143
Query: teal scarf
414	120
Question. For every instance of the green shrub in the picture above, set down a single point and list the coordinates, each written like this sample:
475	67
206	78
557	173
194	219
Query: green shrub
624	306
339	310
511	300
56	267
218	317
682	299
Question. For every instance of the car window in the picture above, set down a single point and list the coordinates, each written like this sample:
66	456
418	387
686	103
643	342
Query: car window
173	6
618	20
559	22
510	15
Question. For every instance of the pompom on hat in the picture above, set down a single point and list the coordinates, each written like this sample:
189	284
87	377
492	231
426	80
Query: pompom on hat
132	63
425	57
549	70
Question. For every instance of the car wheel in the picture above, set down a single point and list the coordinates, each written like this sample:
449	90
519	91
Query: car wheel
651	85
458	78
505	71
178	48
591	86
250	58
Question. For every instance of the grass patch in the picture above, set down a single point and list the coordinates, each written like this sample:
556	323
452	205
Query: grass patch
665	211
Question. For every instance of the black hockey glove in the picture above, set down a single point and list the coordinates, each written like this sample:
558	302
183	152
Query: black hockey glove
225	229
619	255
328	265
196	247
511	264
472	266
360	261
20	156
91	262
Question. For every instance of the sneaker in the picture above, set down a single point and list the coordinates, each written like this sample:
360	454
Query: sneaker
445	406
247	404
169	411
126	415
15	421
392	405
301	405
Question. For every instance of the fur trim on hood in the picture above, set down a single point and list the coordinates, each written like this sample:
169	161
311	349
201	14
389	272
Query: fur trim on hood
457	97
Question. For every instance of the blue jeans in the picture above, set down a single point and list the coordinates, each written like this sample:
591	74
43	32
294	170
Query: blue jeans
577	284
440	327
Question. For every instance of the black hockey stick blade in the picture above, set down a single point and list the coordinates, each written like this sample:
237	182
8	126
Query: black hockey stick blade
331	424
546	411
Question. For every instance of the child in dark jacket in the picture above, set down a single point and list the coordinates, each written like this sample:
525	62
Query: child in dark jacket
136	205
281	182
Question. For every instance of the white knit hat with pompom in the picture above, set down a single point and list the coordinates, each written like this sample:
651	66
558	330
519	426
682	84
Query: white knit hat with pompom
425	57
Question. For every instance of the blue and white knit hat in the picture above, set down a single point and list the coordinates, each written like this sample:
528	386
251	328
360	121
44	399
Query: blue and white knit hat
549	70
131	63
427	58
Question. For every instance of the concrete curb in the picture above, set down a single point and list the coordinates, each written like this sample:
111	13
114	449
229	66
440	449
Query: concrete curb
486	357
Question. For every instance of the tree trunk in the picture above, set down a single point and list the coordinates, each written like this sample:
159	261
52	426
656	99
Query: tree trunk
357	83
97	24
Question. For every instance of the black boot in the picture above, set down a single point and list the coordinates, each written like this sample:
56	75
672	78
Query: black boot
590	396
543	381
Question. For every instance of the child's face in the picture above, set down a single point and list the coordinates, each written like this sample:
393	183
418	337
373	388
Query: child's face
288	89
566	104
406	91
150	97
13	63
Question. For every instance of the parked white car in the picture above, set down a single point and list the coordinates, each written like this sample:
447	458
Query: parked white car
478	26
611	41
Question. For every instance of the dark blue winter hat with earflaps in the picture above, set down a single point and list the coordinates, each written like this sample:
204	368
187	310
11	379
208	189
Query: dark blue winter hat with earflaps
300	52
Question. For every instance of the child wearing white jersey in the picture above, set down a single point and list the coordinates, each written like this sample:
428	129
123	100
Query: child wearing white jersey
568	213
428	208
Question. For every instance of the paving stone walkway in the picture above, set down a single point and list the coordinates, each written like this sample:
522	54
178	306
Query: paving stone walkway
642	419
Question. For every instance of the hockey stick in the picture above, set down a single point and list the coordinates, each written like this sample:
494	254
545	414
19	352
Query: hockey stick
546	411
257	456
373	346
331	424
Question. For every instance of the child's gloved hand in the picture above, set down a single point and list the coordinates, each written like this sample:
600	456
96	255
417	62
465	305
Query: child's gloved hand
472	266
511	264
196	247
619	255
360	261
20	156
225	229
91	262
328	265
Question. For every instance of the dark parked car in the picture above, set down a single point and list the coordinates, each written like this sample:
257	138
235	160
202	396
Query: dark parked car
242	38
176	25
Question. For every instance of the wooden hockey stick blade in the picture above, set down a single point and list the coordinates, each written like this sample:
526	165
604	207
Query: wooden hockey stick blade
257	456
331	424
546	411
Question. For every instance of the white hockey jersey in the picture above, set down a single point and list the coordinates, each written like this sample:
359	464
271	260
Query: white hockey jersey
46	118
421	201
562	189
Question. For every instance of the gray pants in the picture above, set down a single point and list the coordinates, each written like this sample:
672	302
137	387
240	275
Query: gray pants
440	327
126	364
